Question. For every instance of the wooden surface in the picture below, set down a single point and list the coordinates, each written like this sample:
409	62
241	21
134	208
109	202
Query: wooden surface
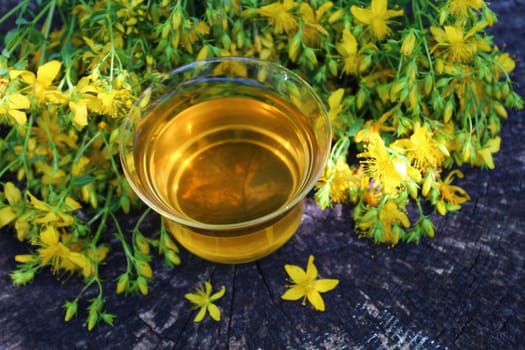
464	289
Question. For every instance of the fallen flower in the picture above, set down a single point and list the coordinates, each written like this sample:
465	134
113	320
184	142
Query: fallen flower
307	286
203	299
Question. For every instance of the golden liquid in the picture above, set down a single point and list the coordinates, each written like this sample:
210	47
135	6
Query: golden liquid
223	161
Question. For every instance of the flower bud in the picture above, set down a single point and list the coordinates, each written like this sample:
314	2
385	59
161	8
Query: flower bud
294	47
143	285
176	20
428	227
71	310
449	109
142	243
310	56
336	16
407	46
144	269
122	283
500	110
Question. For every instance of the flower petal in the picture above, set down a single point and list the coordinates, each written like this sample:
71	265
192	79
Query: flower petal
361	14
200	315
294	293
195	298
311	269
218	294
12	193
325	285
208	287
214	311
49	236
296	273
80	113
46	73
7	215
18	101
19	116
316	300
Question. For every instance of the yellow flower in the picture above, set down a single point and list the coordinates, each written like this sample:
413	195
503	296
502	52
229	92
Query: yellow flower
49	214
348	49
311	26
41	83
505	65
376	16
389	171
307	286
461	7
456	45
374	127
451	196
341	181
421	149
279	16
80	112
390	215
193	30
15	211
13	106
202	299
55	254
485	153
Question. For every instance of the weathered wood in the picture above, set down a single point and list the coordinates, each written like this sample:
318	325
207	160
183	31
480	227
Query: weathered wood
463	289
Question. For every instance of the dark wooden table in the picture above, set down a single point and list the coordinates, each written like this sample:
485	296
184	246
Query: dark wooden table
464	289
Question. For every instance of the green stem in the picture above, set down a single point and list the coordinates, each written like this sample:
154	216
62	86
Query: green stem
21	5
418	15
48	24
120	236
24	32
112	40
106	212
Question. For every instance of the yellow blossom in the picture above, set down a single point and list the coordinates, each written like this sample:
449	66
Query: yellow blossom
13	106
193	30
505	65
306	285
374	127
49	214
485	153
390	215
279	16
203	300
451	196
376	16
461	7
55	254
347	48
311	26
113	102
15	211
341	181
41	83
421	149
456	45
80	112
389	171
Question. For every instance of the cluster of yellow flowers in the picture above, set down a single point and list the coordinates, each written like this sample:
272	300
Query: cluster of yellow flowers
414	89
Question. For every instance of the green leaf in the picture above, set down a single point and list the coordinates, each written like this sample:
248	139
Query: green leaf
83	180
